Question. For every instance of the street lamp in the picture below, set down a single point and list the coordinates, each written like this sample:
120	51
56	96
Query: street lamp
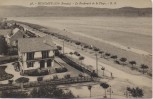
63	47
111	75
126	93
110	90
97	64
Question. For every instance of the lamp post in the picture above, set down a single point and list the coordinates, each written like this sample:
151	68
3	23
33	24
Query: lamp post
126	93
97	63
63	46
111	75
110	92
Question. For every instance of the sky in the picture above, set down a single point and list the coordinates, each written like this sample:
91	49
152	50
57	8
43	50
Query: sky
80	3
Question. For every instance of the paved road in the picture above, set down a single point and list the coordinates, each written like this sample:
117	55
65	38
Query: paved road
136	79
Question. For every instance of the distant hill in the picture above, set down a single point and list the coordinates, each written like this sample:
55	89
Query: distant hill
20	11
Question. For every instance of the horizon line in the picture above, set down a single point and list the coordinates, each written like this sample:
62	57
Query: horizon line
78	7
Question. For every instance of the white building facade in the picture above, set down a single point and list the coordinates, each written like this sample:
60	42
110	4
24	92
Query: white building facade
35	54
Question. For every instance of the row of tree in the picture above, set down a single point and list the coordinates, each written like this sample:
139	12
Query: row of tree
122	61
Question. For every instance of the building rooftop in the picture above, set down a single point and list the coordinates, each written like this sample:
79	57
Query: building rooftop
14	31
36	44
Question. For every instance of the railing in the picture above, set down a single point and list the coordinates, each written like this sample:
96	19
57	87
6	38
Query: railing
80	67
72	80
38	59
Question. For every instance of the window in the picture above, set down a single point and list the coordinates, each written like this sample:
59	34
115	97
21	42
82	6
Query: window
45	54
30	56
42	64
49	63
29	64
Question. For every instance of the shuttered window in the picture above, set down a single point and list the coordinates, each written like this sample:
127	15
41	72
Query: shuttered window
30	64
45	54
30	55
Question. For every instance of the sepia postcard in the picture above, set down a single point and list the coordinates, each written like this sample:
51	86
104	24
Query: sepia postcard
76	49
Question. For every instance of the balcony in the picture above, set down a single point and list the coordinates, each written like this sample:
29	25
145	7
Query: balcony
38	59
